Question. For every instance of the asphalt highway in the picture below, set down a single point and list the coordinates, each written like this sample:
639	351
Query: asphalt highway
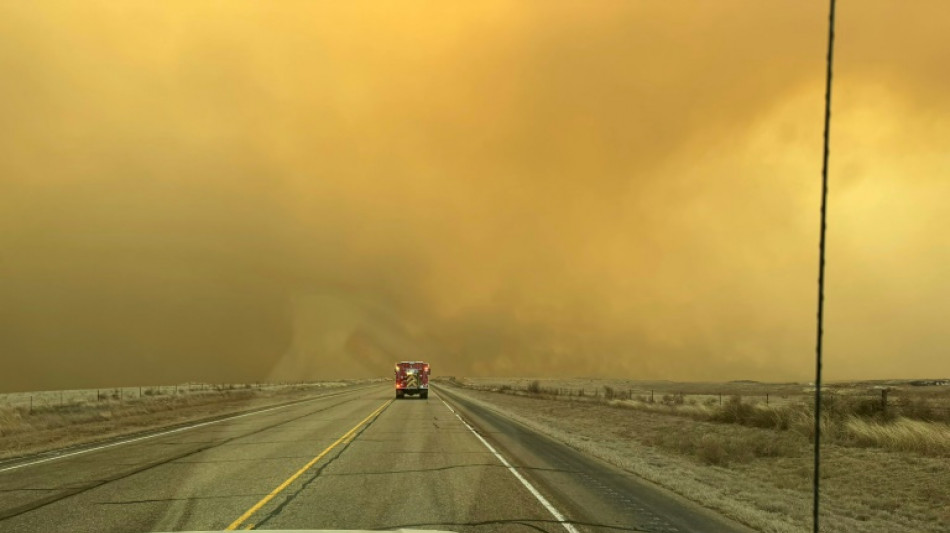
354	459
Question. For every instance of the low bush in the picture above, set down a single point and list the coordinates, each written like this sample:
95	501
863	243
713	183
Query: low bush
921	409
716	448
673	399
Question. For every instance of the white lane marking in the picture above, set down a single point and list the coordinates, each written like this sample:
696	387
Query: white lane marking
152	436
534	492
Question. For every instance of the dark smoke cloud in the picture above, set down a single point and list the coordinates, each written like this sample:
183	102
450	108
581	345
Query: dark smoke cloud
245	191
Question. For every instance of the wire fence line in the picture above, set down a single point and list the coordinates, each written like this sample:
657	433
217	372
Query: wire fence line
29	402
881	398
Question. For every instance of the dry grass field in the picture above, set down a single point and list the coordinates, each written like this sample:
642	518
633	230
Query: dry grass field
886	466
58	419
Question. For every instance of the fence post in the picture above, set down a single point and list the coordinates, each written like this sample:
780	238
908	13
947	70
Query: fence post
651	396
720	399
31	404
98	396
140	392
884	399
60	397
766	398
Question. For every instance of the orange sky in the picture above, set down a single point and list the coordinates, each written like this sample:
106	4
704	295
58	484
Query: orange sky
234	191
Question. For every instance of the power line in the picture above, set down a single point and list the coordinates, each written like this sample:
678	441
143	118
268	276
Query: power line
821	265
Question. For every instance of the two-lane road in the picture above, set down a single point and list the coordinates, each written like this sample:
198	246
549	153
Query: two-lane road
350	460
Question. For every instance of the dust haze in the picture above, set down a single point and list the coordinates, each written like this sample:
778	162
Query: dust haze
247	191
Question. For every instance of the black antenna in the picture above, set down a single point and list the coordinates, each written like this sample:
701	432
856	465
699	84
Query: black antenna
821	264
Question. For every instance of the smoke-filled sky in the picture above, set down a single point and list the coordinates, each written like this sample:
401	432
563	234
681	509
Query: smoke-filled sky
239	191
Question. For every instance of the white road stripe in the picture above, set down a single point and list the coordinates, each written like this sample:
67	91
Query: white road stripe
534	492
152	436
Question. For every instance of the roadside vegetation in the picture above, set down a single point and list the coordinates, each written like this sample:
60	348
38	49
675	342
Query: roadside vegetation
905	423
885	468
79	417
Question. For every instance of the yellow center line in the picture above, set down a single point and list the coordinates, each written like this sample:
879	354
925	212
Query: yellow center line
346	436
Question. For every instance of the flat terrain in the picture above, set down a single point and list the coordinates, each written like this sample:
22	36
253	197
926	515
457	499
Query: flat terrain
352	459
756	391
882	471
52	399
35	422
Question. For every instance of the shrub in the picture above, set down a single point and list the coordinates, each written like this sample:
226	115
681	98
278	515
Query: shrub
672	399
869	408
734	411
920	409
711	450
534	387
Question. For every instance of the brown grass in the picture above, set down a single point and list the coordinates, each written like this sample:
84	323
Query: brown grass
903	434
24	432
910	424
753	462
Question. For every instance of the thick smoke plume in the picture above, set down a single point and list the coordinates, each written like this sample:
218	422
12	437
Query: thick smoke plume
251	190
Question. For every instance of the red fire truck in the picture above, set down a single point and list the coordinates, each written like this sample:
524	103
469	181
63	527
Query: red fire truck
412	377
